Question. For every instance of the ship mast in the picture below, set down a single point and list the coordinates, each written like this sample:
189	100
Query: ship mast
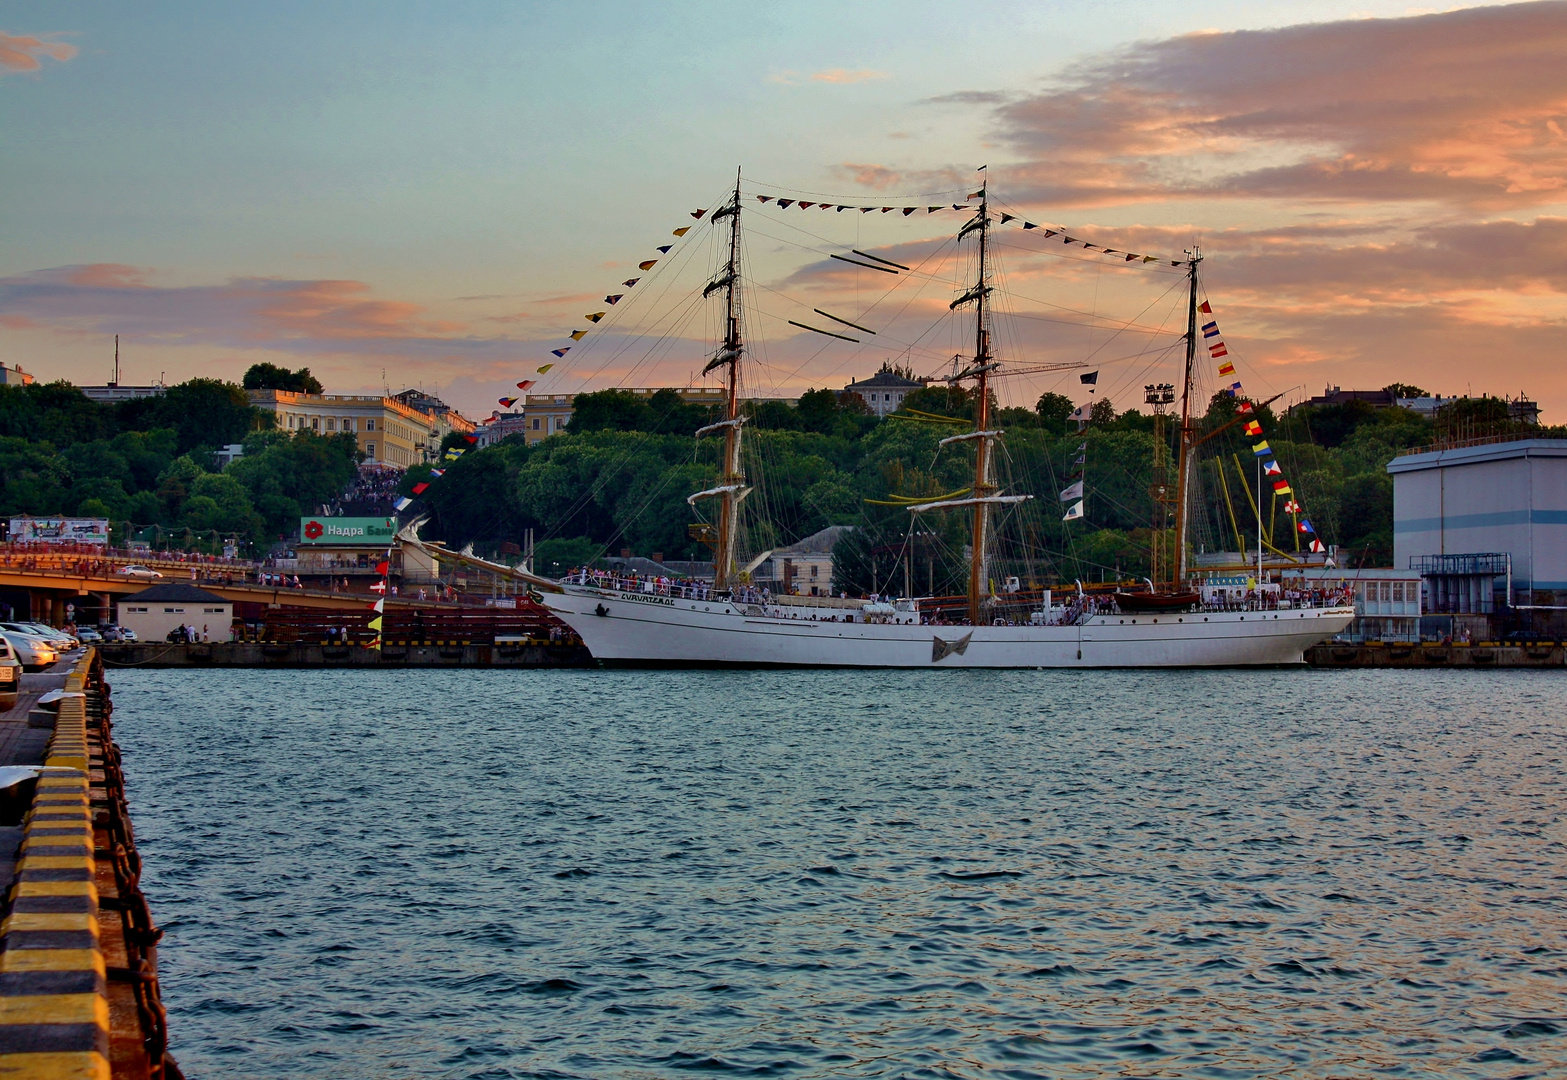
731	482
1187	439
984	457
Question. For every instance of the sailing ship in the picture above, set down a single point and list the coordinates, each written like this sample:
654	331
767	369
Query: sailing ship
629	621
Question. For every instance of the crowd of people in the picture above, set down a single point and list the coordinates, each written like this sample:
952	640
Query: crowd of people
373	491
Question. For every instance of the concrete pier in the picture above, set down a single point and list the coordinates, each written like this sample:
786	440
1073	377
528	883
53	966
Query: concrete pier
79	991
318	654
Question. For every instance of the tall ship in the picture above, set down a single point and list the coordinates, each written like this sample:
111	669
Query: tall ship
729	622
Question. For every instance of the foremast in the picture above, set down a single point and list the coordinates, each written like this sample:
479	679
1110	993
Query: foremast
731	481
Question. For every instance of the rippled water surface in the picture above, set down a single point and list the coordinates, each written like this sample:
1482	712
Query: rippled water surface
953	874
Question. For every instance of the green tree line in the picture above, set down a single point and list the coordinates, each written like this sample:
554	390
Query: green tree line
149	462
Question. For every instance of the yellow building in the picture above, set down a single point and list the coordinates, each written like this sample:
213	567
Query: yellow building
548	414
389	431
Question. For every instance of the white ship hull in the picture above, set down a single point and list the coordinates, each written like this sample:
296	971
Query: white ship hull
637	628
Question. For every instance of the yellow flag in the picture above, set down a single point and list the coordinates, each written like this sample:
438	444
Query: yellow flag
682	231
375	623
545	368
376	644
578	335
596	316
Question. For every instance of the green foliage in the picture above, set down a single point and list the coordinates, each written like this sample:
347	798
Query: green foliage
555	557
273	377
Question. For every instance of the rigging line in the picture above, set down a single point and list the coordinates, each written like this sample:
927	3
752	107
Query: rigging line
1065	252
682	253
806	247
845	322
752	182
828	333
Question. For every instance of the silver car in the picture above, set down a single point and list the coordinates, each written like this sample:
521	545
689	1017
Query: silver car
58	640
33	652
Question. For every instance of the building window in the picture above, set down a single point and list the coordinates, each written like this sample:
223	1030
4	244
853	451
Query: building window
1398	592
290	419
369	451
315	423
535	423
331	424
814	569
348	423
369	425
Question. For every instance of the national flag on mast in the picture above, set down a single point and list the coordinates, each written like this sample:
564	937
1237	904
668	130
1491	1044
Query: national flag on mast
1075	511
1073	492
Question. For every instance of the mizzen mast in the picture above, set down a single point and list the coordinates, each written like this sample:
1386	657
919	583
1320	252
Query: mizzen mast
1187	440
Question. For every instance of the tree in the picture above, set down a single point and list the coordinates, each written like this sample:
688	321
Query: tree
1102	414
1405	390
1053	410
272	377
202	413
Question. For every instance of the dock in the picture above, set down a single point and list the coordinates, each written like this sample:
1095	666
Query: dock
79	995
1397	654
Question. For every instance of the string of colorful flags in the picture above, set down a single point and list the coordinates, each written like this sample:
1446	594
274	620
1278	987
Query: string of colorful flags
1004	219
595	317
1075	490
1270	464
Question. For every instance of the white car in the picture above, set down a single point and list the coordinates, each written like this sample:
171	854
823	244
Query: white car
34	653
142	572
10	675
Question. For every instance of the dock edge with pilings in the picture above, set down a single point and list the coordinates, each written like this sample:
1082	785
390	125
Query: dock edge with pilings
79	995
1430	654
328	654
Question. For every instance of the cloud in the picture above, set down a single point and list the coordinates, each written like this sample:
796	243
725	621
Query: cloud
971	97
839	75
1464	108
23	53
875	177
302	317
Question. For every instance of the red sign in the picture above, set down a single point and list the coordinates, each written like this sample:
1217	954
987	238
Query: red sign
313	530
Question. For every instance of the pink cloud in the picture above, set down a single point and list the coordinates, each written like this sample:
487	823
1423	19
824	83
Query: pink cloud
23	53
1464	108
875	177
839	75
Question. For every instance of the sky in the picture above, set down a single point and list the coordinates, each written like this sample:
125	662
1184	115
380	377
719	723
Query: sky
400	194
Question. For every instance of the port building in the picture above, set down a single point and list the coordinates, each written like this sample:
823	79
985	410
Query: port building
1485	525
153	612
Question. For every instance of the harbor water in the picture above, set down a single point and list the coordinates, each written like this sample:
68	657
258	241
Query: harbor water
581	873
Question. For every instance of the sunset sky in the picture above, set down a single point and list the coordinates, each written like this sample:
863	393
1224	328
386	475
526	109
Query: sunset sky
441	192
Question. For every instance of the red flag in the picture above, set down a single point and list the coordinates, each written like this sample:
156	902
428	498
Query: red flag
420	489
526	383
1206	308
471	438
382	567
1244	408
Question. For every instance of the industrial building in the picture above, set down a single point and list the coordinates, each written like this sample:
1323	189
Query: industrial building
1486	527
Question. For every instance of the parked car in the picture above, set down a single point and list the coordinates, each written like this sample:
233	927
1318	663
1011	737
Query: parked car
58	640
111	632
10	676
86	635
142	572
33	652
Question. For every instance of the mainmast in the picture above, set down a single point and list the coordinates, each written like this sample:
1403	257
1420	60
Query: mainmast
984	458
731	482
1187	431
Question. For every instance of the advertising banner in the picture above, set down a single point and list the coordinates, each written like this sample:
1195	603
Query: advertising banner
347	531
54	530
